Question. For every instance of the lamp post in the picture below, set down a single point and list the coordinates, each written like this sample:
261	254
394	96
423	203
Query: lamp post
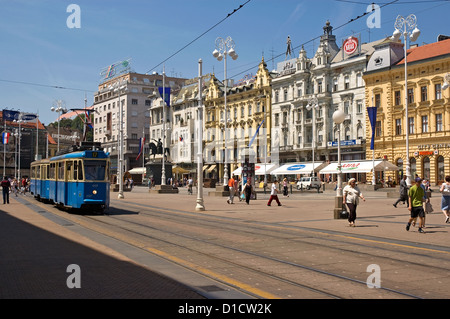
314	105
59	106
223	49
118	87
406	26
338	118
200	205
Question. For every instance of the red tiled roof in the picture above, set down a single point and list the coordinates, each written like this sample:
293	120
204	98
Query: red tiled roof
427	51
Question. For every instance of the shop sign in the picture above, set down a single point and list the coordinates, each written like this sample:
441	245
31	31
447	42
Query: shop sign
350	45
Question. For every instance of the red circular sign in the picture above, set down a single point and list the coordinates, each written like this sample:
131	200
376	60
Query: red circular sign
350	45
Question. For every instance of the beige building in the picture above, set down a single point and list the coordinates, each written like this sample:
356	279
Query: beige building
248	104
428	122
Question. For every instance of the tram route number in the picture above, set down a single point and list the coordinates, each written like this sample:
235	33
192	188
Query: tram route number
242	308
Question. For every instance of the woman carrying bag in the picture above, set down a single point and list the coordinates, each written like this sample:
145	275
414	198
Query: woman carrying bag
351	199
445	203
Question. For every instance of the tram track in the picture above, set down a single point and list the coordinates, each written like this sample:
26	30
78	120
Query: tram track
137	234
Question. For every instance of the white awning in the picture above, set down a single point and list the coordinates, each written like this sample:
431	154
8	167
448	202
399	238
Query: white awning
137	170
260	169
298	168
359	167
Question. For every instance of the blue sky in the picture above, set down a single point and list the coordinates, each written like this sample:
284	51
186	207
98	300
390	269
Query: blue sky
37	46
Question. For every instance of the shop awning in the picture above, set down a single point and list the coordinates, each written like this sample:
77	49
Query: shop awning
298	168
137	170
359	167
260	169
211	168
179	170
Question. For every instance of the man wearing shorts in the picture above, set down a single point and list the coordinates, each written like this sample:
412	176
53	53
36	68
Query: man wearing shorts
416	197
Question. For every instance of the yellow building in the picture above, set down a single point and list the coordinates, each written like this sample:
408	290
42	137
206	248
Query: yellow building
248	104
428	121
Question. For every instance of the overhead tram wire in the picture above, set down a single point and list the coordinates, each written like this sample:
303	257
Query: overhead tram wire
201	35
318	37
46	85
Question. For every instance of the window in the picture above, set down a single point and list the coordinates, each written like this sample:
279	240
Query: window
347	134
423	93
277	119
377	100
319	86
378	129
285	95
411	125
335	85
276	97
425	124
398	127
346	82
359	107
397	98
134	101
242	112
437	91
438	122
411	95
347	107
95	170
359	81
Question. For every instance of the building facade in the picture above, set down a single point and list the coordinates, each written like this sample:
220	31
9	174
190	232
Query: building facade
428	122
141	116
248	108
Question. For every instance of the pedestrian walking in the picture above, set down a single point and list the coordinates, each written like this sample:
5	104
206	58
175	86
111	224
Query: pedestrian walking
248	190
403	193
416	198
445	203
285	187
273	194
232	189
15	186
6	185
351	197
190	184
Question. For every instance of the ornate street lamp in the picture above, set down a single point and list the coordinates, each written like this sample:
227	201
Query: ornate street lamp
406	26
338	119
223	49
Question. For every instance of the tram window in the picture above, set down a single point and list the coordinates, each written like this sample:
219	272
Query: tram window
75	170
52	174
61	171
95	170
69	171
80	171
38	172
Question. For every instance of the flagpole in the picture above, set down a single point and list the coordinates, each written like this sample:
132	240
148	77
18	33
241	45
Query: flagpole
143	153
163	169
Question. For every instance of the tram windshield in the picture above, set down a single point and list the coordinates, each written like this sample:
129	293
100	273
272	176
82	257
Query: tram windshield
94	170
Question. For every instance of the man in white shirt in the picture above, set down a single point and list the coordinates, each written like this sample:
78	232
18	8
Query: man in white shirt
273	194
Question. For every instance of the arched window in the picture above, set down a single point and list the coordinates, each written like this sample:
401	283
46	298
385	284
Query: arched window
440	169
412	163
426	168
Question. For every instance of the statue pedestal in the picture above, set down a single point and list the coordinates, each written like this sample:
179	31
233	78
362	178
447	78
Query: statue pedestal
163	189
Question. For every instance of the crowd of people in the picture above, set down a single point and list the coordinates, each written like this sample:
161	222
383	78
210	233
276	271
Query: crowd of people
11	185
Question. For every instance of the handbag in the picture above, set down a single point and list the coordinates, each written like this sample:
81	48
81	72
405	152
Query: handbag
428	207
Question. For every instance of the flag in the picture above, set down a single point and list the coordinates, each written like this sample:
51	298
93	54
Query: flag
256	133
372	113
166	93
88	118
5	137
141	147
10	115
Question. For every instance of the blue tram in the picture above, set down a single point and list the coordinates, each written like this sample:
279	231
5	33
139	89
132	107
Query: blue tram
78	180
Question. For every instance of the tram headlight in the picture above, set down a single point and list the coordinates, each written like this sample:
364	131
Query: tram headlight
94	192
